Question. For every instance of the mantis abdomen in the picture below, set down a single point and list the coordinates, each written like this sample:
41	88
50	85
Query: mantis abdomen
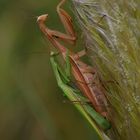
85	82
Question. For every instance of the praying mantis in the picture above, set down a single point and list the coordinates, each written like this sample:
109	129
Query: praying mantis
84	74
74	95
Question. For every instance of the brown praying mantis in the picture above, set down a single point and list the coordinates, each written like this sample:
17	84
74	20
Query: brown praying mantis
84	74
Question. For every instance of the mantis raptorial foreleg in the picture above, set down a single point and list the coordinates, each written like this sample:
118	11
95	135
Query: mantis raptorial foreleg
87	111
66	20
69	36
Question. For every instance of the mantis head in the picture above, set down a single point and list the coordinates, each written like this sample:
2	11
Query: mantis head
42	18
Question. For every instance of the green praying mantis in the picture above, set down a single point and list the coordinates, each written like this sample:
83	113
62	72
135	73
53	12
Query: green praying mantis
84	74
74	95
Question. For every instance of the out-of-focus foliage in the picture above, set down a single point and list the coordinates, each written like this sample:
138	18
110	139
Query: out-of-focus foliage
112	32
31	105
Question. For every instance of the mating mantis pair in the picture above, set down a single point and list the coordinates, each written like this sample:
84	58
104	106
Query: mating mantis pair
84	74
74	95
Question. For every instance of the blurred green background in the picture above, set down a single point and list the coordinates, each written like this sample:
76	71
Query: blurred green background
31	104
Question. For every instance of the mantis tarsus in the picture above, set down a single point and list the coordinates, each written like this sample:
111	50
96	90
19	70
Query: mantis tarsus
84	74
74	95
